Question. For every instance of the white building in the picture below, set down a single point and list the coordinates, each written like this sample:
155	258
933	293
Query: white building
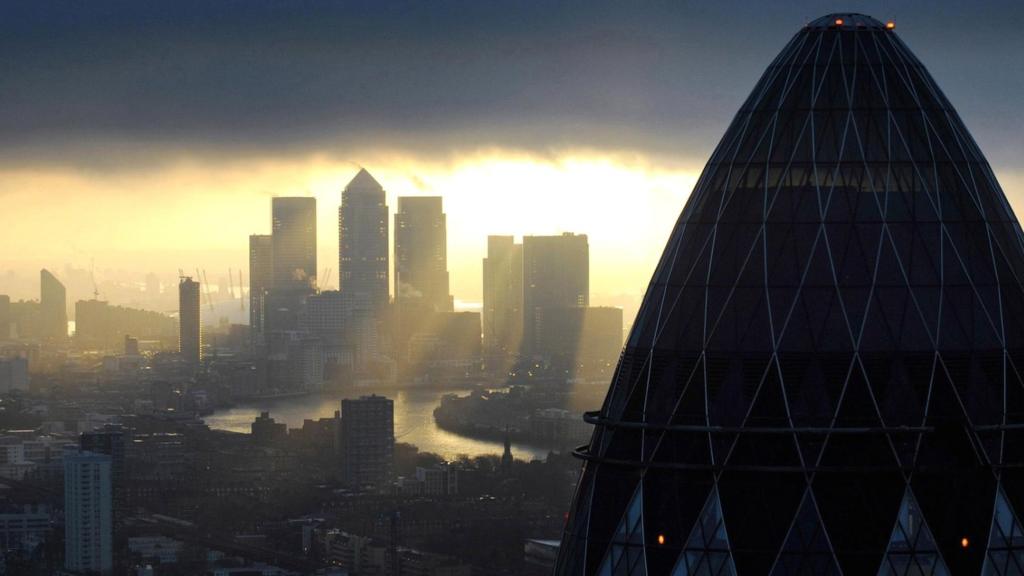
88	507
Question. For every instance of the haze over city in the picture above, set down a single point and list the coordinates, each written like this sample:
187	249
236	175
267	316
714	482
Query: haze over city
531	288
527	118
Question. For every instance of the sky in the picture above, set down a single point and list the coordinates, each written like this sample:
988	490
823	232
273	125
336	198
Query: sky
149	136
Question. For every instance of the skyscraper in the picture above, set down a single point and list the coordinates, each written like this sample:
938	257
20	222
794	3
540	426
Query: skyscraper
421	253
503	297
367	440
110	439
53	306
261	278
88	505
293	242
556	274
363	243
825	376
190	335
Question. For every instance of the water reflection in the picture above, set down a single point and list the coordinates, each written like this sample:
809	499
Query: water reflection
414	421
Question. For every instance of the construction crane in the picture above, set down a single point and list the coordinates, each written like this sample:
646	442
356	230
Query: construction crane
92	274
241	292
206	287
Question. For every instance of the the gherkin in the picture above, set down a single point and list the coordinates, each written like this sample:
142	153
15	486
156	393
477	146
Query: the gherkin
827	372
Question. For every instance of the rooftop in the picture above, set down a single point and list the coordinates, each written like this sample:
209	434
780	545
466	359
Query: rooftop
363	181
849	21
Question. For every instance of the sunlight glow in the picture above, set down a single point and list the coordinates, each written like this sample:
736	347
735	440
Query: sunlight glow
199	214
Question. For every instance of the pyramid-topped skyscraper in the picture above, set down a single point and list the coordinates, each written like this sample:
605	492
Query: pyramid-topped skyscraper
363	243
827	373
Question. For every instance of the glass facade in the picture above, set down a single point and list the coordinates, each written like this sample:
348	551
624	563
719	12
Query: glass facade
827	373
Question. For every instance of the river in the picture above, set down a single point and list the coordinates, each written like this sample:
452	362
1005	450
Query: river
414	420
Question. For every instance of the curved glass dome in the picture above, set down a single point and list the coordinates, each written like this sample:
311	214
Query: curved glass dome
826	373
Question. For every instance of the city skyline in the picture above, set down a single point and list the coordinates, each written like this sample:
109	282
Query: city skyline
497	172
529	288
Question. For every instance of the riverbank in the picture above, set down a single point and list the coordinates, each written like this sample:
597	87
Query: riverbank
414	420
517	414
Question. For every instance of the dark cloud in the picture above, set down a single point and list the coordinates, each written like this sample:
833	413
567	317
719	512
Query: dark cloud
118	82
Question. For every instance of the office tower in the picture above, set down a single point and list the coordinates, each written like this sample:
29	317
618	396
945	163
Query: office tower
445	340
585	335
261	275
190	330
503	297
556	274
326	315
5	317
299	366
421	253
53	305
367	440
824	376
329	316
88	505
294	244
363	243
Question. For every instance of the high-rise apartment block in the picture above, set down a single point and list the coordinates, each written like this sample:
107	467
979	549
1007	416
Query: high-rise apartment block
190	330
367	440
88	512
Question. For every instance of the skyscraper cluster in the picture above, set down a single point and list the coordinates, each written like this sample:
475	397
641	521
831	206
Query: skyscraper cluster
536	300
537	303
